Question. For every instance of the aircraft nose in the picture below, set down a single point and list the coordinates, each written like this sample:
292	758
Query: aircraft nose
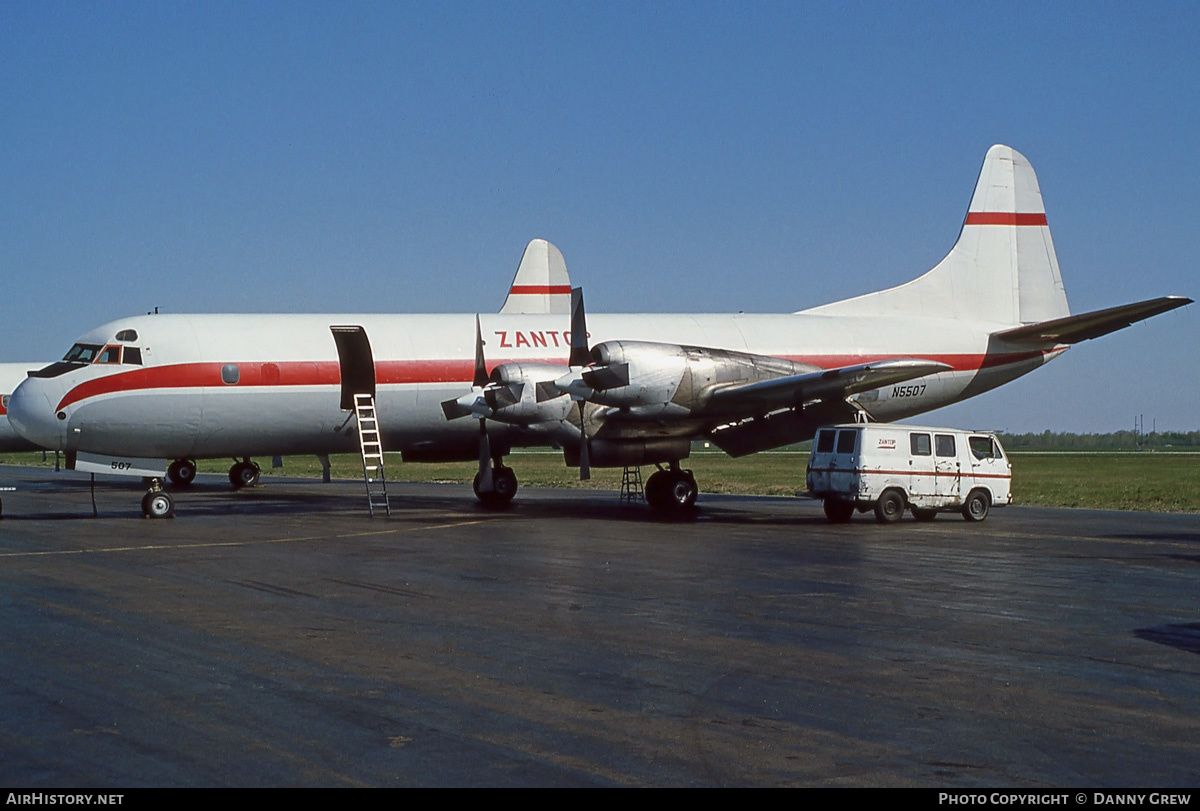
31	414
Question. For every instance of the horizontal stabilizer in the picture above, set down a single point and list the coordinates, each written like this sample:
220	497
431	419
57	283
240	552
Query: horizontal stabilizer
1076	328
839	383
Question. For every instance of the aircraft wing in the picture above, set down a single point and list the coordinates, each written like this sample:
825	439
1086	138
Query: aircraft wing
1075	328
840	383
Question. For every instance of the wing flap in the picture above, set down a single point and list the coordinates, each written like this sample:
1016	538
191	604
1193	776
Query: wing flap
1075	328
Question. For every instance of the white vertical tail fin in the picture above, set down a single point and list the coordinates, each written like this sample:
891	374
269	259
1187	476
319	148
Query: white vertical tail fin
541	284
1002	270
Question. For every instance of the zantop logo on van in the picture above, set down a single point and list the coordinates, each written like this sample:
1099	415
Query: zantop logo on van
887	444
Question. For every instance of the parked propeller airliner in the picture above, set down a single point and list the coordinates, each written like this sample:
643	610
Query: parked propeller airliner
611	390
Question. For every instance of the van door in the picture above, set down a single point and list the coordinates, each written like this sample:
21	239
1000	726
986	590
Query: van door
921	465
948	483
989	466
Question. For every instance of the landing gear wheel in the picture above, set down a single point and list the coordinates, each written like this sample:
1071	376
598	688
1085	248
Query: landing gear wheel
838	512
655	485
672	491
890	507
976	507
923	514
244	474
504	484
182	473
157	504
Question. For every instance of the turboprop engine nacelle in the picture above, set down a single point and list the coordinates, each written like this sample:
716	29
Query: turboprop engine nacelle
669	379
537	400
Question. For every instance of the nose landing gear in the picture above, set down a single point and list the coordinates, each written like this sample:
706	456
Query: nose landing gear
157	503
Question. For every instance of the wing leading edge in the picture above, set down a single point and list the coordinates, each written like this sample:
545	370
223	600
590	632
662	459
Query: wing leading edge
1075	328
827	384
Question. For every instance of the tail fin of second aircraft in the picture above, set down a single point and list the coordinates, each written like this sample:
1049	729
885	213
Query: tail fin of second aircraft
541	284
1002	270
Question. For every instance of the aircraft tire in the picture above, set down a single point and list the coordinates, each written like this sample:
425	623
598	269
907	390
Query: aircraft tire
838	512
182	473
923	514
890	507
680	491
504	483
977	505
655	485
157	504
244	474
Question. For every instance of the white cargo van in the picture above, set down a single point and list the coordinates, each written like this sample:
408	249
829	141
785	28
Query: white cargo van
891	468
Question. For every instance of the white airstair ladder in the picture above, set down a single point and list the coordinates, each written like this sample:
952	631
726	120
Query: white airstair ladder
631	485
372	454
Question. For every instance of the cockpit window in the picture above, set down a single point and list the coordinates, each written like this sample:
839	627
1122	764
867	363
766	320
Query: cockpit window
110	354
83	353
127	335
132	355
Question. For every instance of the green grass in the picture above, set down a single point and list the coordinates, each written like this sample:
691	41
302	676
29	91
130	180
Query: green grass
1120	481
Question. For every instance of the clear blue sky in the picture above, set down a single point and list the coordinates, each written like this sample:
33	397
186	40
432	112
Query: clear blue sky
300	157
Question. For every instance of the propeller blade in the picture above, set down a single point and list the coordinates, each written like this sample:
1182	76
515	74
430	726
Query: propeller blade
546	390
498	396
607	377
453	409
585	465
580	355
486	484
481	375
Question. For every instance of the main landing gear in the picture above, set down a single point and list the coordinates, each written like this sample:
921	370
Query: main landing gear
672	490
182	473
157	503
244	474
504	486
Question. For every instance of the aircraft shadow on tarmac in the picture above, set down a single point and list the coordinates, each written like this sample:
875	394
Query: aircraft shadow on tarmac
119	499
1183	637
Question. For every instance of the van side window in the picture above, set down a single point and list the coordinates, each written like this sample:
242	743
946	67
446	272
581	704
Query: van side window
920	445
944	444
846	440
825	441
981	447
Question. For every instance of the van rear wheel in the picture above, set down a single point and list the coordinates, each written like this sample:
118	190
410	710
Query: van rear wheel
890	507
838	512
976	507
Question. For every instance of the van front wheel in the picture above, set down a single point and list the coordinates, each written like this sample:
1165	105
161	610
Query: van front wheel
976	506
890	507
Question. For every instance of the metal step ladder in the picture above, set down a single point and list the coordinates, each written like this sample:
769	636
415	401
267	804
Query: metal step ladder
372	454
631	485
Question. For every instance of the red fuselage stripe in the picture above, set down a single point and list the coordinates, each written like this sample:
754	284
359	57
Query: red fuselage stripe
396	373
1004	218
540	289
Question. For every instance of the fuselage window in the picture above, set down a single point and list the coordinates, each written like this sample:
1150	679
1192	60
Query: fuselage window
4	402
127	335
230	374
111	354
132	355
83	353
944	445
